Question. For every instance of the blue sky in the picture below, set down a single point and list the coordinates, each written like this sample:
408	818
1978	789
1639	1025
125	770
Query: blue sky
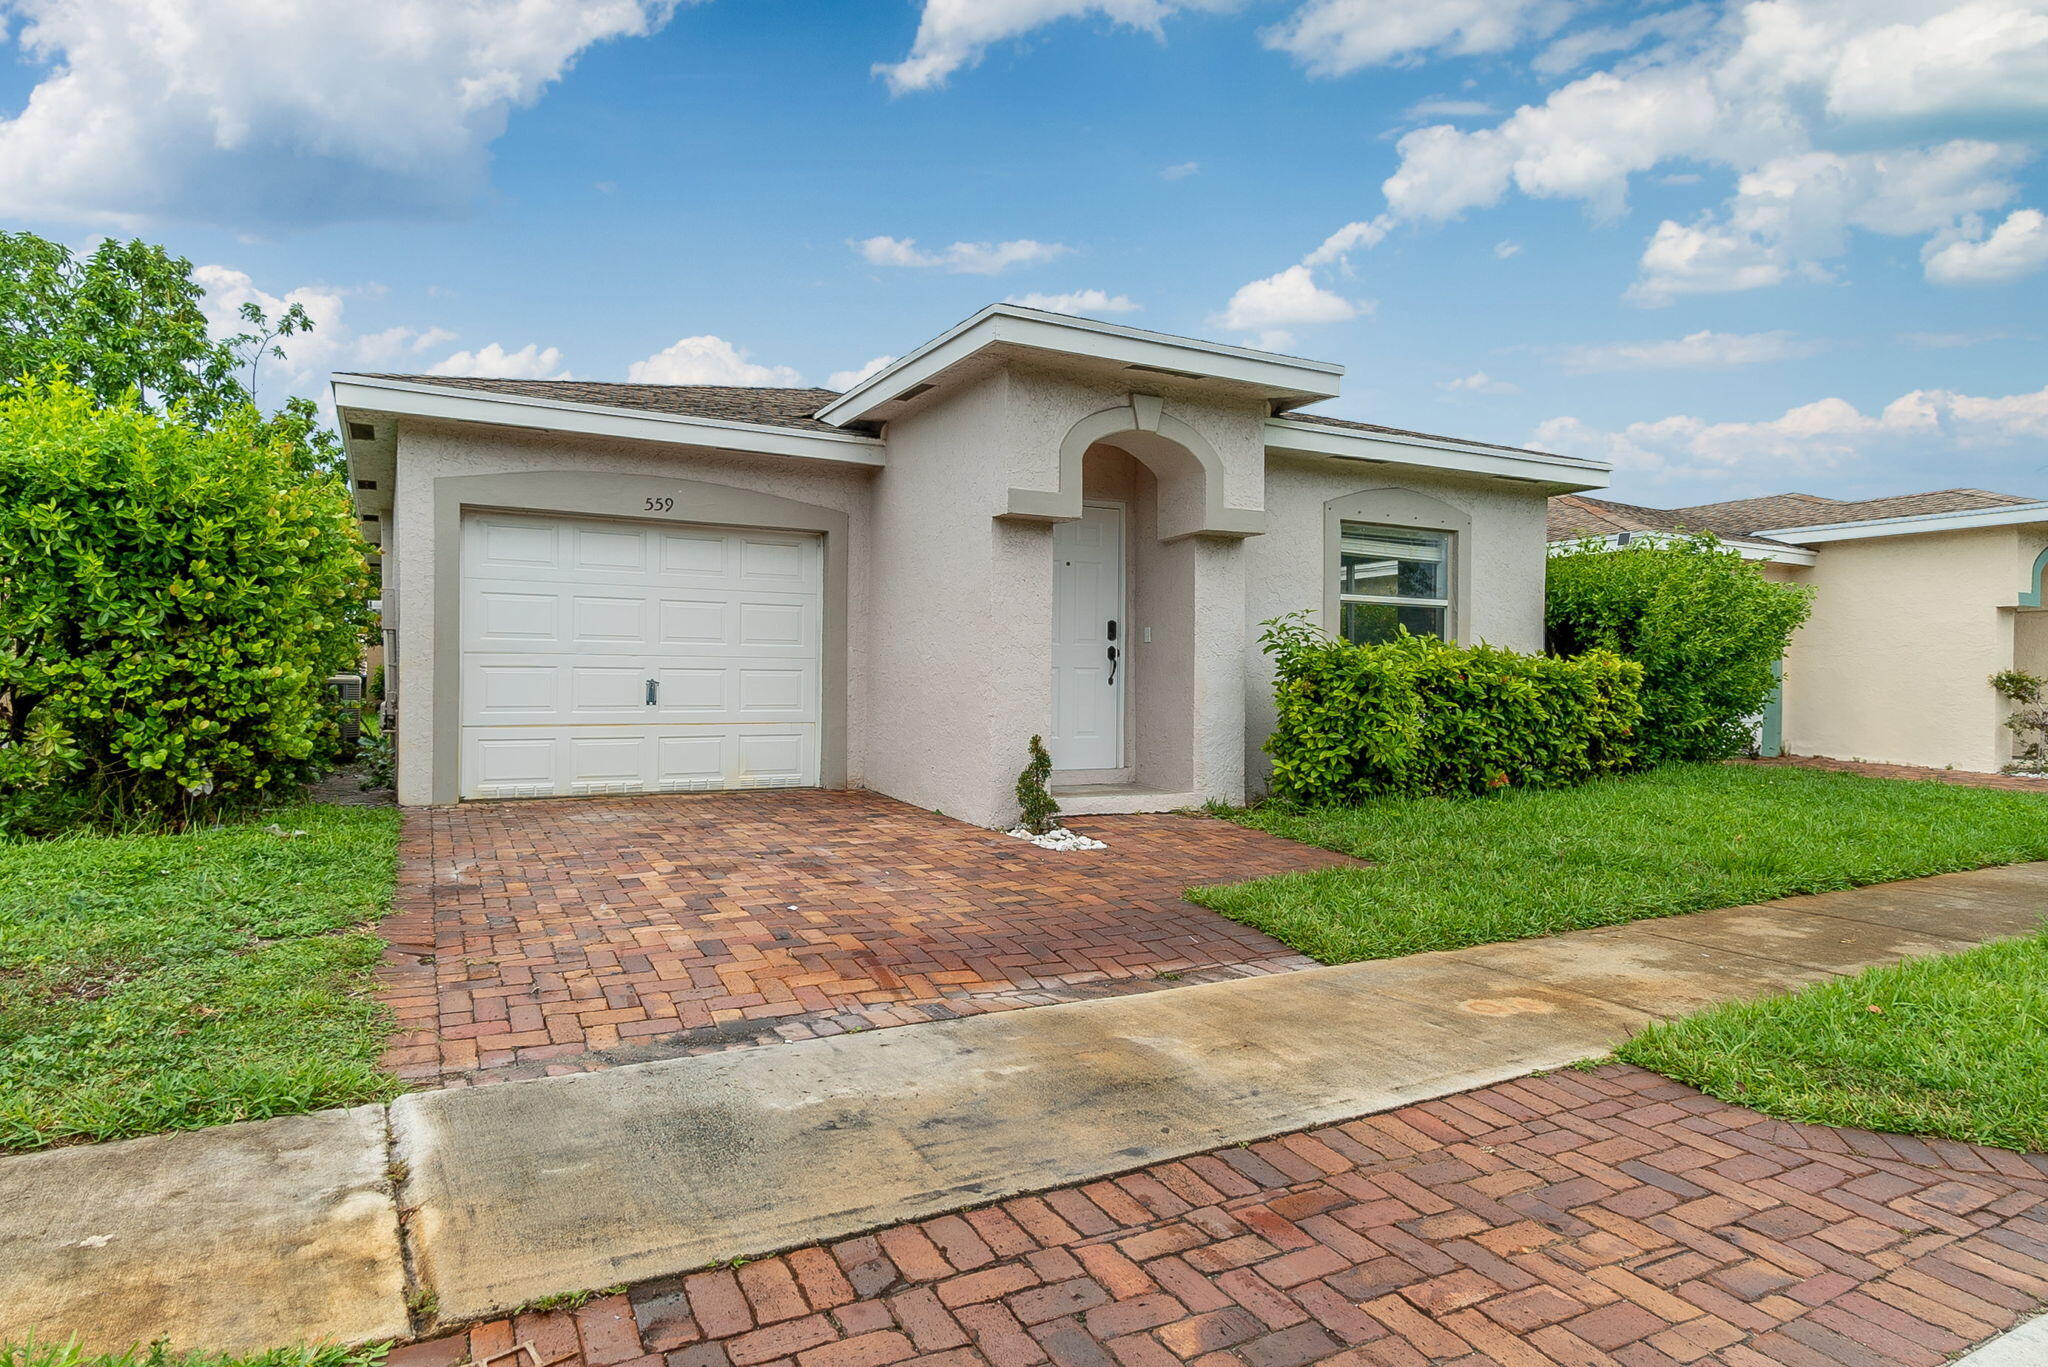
1735	248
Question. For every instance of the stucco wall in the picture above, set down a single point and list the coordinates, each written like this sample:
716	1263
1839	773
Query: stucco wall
1905	630
1500	600
430	451
959	610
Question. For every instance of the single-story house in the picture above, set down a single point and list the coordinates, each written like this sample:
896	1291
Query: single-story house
1918	600
1031	525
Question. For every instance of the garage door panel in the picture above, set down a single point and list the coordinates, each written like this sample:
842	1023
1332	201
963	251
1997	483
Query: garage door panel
565	621
695	557
692	623
518	546
603	623
606	692
694	694
616	553
774	625
509	693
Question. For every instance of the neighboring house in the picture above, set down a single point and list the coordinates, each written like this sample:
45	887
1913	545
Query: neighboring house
1918	600
1034	524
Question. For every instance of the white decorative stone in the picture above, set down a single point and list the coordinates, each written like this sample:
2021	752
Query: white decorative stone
1059	838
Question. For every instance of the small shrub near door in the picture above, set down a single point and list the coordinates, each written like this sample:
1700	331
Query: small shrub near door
1704	624
1416	715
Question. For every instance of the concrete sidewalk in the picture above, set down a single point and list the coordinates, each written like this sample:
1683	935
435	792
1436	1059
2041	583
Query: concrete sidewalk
220	1239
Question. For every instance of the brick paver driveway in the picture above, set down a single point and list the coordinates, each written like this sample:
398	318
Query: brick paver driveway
1613	1219
555	936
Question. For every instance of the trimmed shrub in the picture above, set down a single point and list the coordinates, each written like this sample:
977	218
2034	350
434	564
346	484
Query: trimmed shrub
1037	811
1416	715
175	602
1704	624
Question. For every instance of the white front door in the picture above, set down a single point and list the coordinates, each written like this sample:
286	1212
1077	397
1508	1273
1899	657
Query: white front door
622	657
1089	642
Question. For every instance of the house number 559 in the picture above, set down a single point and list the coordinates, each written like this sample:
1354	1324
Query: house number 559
661	505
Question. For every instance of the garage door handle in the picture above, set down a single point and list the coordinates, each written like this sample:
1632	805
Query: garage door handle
654	692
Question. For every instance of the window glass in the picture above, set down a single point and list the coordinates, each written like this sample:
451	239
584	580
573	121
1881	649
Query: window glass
1393	577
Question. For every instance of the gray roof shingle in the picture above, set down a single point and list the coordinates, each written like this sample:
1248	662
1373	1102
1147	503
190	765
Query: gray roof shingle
768	405
1574	515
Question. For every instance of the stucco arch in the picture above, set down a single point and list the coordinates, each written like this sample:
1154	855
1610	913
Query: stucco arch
1189	469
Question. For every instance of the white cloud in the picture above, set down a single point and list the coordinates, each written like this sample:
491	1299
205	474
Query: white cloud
253	112
843	380
1695	351
1180	170
707	360
1822	437
962	258
953	34
1350	237
2017	247
1337	37
1906	118
1505	249
530	362
1081	302
1447	109
332	343
1292	297
1951	340
1478	382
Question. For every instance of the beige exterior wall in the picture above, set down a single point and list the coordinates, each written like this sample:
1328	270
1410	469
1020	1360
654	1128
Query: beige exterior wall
1500	598
1905	631
432	451
948	609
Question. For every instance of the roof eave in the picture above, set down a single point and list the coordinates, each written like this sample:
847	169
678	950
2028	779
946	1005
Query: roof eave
1556	474
1287	379
447	403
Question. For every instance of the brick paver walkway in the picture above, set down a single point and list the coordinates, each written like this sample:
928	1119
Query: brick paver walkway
1606	1219
557	936
1962	777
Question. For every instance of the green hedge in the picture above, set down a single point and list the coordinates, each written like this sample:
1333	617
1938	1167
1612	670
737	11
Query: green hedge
1705	625
175	602
1416	715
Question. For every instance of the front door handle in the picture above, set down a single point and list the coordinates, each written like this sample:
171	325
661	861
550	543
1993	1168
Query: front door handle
654	692
1112	665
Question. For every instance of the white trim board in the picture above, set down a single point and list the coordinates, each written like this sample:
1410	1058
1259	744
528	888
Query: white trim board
1565	473
411	399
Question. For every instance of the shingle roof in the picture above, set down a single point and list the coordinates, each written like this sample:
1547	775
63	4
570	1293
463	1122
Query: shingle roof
775	406
772	406
1573	515
1356	426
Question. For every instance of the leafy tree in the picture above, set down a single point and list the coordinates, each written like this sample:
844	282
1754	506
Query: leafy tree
175	598
128	318
1704	623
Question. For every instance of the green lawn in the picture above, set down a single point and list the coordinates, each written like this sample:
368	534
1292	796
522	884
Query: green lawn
32	1354
1449	872
166	982
1955	1046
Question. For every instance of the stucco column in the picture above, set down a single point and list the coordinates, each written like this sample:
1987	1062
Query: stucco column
1216	570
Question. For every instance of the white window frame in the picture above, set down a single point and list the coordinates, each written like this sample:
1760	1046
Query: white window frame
1404	510
1448	540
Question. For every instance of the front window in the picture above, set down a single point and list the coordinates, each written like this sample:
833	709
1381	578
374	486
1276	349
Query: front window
1393	577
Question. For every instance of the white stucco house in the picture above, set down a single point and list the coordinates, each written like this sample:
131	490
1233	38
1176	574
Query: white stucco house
1918	600
1032	524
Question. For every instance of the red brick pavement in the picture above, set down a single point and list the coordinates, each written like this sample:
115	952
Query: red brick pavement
1961	777
1605	1219
548	937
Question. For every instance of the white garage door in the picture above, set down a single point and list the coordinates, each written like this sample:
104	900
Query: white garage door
617	657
